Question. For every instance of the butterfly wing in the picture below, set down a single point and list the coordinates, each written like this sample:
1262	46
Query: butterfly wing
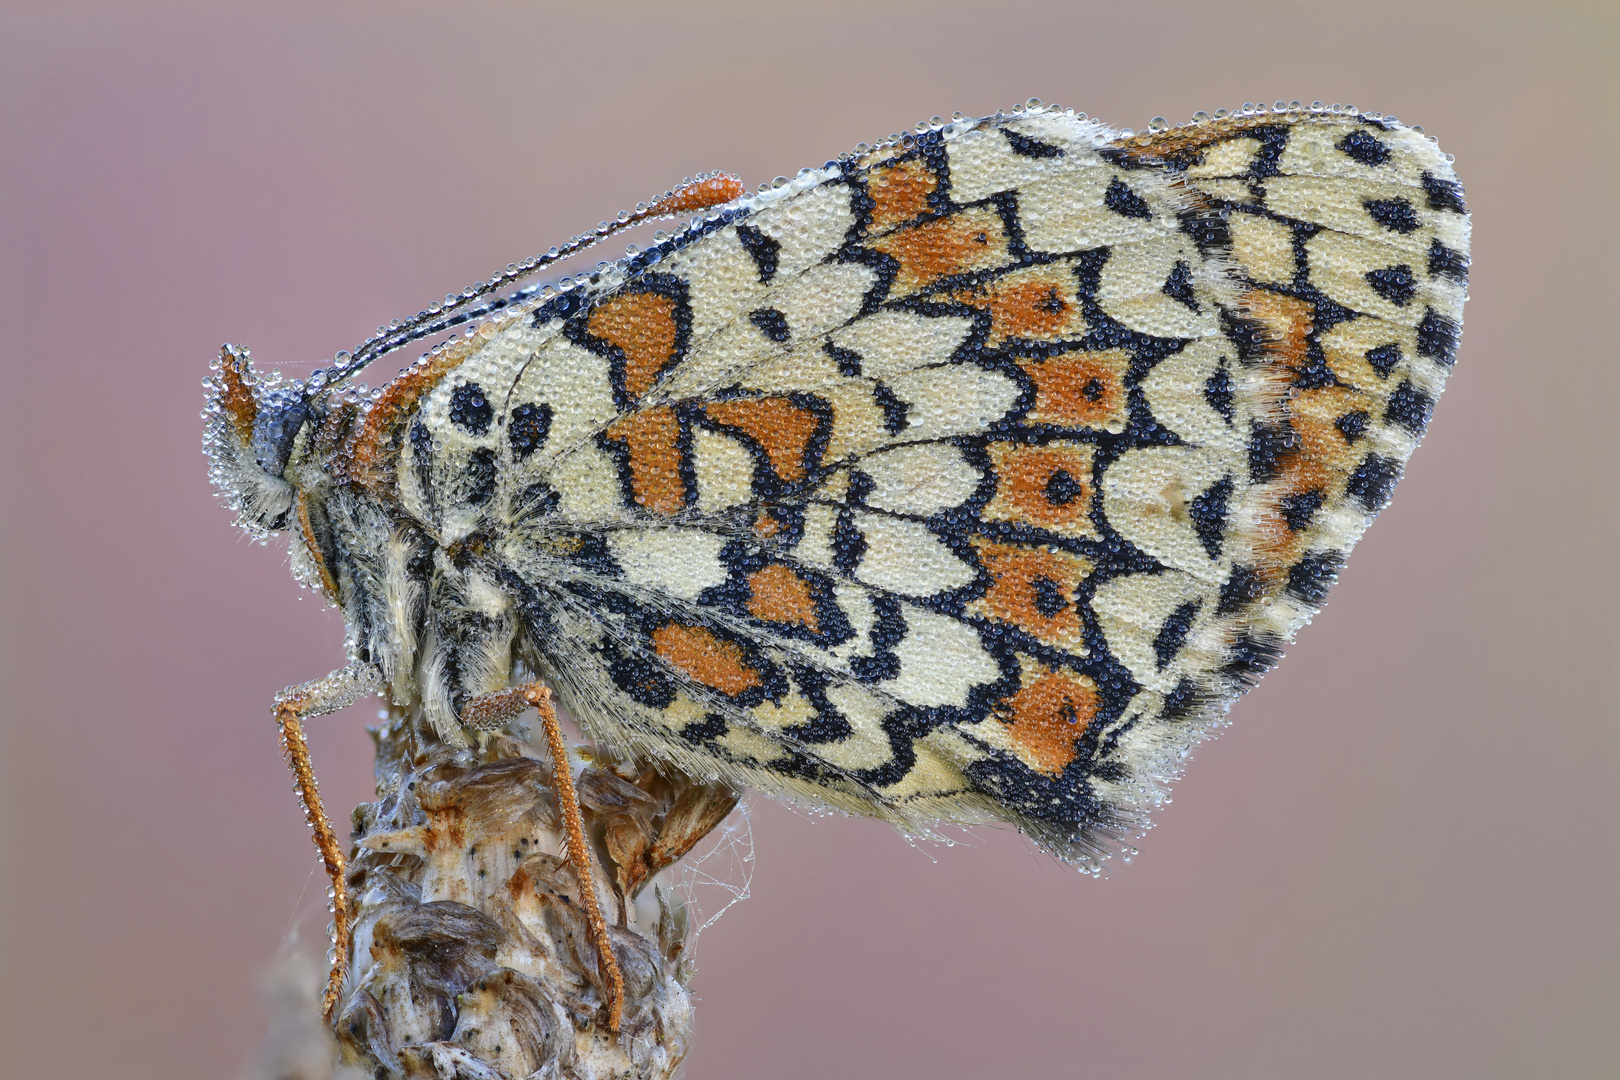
972	478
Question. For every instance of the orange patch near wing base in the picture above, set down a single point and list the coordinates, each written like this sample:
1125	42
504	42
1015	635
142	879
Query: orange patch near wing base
711	661
900	192
1047	717
776	594
967	240
1030	490
642	325
1034	590
782	428
698	195
371	460
653	441
1084	389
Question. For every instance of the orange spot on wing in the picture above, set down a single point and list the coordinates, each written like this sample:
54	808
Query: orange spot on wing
1039	305
776	594
698	195
652	439
782	428
1277	546
715	663
1030	489
1047	717
1085	389
766	524
1287	321
1315	413
643	326
900	192
956	244
1027	585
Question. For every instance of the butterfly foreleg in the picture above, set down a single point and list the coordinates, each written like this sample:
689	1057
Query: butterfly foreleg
316	698
489	711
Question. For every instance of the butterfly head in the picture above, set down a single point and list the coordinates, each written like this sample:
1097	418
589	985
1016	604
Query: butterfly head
255	429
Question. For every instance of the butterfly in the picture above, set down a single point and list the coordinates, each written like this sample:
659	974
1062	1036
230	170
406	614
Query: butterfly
970	477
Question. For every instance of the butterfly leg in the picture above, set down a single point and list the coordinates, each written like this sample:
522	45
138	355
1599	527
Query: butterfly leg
338	690
490	711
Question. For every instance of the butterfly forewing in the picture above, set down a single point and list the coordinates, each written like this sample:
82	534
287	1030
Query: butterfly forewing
971	478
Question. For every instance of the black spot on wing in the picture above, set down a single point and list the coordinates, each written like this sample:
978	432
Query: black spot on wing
848	360
860	486
708	729
1123	201
422	459
1311	578
1049	598
1182	702
1444	194
1396	215
1314	373
1243	586
1218	391
1267	443
1179	286
1062	489
1384	359
1437	337
888	630
1250	337
639	677
848	543
470	409
1373	482
1409	407
1447	262
1027	147
530	424
480	476
1208	513
896	413
533	501
1273	141
1208	230
1249	657
1397	284
771	322
1352	425
764	250
1299	509
1173	634
1362	147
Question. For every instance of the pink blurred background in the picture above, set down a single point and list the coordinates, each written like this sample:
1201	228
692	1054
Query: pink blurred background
1400	862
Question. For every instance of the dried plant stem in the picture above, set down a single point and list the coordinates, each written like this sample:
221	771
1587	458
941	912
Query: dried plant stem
473	952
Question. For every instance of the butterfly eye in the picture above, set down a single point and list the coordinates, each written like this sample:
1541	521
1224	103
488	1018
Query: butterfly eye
281	416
